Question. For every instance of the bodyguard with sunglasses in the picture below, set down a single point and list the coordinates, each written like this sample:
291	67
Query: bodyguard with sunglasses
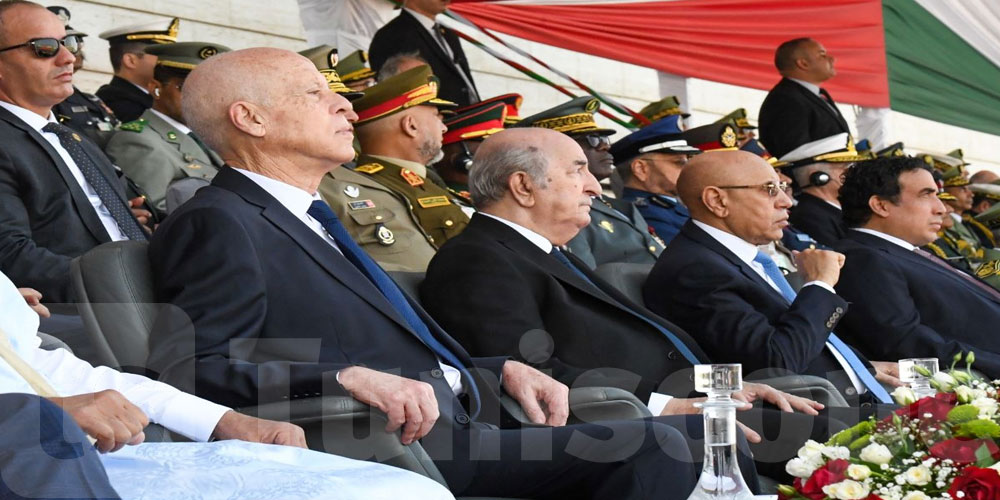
714	281
60	195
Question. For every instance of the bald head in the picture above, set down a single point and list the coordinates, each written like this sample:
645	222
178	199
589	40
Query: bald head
713	186
503	154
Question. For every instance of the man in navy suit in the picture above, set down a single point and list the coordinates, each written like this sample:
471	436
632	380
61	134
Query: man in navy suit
904	302
277	302
798	110
714	282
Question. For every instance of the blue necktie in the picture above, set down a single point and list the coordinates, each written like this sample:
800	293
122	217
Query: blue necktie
321	212
683	348
866	378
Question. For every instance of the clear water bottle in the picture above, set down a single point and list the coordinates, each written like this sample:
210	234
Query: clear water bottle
917	373
720	475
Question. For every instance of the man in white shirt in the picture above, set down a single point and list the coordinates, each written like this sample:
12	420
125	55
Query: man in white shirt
713	281
905	302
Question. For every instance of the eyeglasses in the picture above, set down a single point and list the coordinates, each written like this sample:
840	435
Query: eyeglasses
49	47
596	140
772	188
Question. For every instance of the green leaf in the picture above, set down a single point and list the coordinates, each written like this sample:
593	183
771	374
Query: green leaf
983	457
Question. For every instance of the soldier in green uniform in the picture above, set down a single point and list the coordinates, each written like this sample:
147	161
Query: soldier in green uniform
977	237
158	149
657	110
617	231
376	217
958	253
745	131
355	72
400	130
466	130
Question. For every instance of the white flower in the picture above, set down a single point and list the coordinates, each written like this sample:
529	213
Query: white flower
979	393
918	475
847	490
987	406
916	495
947	382
835	452
876	454
964	393
812	452
860	472
904	395
799	467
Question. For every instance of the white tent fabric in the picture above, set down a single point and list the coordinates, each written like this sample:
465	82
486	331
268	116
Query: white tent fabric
976	21
348	25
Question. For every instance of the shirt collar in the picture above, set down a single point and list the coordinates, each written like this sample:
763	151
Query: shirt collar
812	87
538	240
744	250
34	120
958	218
295	200
417	167
173	123
887	237
425	21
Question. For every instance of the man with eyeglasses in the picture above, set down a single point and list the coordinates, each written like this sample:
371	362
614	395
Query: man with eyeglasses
713	281
60	194
649	161
616	232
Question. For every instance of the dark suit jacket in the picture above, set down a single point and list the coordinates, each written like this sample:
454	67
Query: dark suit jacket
499	294
406	34
276	311
906	306
125	99
818	219
791	116
46	219
737	317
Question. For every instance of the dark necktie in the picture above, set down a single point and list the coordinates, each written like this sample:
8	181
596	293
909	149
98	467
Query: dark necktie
439	35
983	287
866	378
118	207
320	211
680	345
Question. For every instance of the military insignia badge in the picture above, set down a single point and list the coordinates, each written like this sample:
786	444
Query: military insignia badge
606	225
728	137
352	191
193	166
369	168
76	137
433	201
384	235
207	52
411	178
592	106
332	58
172	135
361	204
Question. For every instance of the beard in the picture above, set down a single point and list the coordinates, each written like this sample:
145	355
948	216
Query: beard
430	151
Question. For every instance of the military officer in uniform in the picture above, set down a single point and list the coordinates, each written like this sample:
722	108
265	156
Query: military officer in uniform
158	149
974	234
355	72
83	112
649	161
400	131
745	131
467	128
658	110
127	93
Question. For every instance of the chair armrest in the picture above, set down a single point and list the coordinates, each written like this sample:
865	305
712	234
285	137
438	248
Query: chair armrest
590	404
50	343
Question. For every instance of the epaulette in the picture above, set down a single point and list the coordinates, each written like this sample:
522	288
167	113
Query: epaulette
369	168
135	125
936	250
979	227
661	201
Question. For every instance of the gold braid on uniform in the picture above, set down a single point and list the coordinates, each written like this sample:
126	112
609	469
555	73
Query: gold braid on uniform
991	268
936	250
982	229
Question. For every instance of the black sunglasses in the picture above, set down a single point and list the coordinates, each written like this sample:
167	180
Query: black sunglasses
596	140
49	47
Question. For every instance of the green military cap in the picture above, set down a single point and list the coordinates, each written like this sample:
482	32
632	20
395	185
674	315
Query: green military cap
712	137
511	101
573	117
738	117
153	32
952	169
946	196
324	57
990	218
959	155
891	151
478	121
663	108
410	88
990	191
184	56
354	67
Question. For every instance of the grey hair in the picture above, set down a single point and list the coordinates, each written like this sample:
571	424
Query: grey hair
391	66
491	171
624	168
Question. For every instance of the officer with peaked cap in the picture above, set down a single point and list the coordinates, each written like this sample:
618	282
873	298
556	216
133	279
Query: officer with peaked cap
616	232
649	162
83	112
818	168
127	94
955	180
955	251
377	218
400	130
467	128
354	71
745	131
158	149
658	110
984	197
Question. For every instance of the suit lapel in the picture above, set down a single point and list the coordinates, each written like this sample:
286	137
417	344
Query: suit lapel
429	40
820	102
704	239
80	200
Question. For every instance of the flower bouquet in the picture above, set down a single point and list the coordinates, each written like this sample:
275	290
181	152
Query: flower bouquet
943	446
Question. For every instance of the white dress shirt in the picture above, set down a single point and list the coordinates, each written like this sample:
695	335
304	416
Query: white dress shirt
812	87
298	201
656	401
173	123
36	122
747	252
428	24
183	413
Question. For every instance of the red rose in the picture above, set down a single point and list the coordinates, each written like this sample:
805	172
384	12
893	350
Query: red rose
977	484
832	472
963	451
938	406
